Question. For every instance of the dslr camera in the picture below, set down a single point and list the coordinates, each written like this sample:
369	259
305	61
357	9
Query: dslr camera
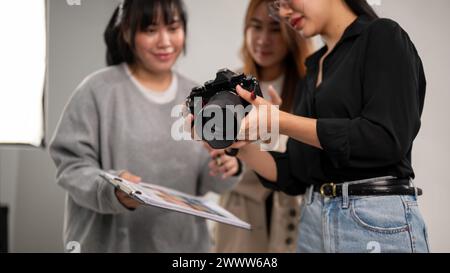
217	108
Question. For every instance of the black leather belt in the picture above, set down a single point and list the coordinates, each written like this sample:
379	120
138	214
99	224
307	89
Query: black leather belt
384	187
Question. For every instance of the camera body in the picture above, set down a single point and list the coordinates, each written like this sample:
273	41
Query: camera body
219	95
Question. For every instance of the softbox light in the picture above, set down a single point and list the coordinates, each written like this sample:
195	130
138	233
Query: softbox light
23	72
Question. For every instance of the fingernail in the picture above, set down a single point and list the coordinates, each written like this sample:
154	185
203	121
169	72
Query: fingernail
253	97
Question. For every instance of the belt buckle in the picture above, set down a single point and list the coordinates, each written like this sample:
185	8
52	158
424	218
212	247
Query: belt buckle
326	192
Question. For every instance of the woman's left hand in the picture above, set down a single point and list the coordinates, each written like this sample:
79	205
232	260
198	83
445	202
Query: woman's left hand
222	164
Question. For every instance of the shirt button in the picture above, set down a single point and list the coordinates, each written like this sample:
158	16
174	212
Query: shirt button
292	213
291	227
289	241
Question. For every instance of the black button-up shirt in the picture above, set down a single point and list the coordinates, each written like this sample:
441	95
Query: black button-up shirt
368	110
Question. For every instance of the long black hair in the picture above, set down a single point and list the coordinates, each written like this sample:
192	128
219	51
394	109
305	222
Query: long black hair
361	7
135	16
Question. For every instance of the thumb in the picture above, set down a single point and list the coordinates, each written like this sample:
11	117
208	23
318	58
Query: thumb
190	118
246	95
130	177
188	122
135	179
274	97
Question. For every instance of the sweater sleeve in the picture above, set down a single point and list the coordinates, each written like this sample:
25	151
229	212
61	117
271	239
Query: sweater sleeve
75	152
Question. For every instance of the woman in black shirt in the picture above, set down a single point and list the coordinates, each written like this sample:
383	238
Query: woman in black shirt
351	134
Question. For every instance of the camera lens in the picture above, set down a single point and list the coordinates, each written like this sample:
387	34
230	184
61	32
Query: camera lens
219	121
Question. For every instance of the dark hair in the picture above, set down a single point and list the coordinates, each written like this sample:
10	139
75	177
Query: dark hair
138	15
361	7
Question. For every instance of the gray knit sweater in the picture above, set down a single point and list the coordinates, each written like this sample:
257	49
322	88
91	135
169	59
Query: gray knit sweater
111	125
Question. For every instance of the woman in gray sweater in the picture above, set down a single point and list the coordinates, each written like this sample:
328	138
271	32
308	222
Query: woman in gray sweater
119	120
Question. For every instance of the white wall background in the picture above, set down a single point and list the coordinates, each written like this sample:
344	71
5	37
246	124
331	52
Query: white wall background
427	23
215	35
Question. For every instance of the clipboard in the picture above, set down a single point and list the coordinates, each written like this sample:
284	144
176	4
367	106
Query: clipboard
122	185
166	198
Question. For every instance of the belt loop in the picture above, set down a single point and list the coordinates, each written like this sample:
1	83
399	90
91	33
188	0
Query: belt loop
309	195
345	198
416	191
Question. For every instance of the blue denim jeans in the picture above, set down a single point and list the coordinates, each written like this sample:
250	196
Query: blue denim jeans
361	224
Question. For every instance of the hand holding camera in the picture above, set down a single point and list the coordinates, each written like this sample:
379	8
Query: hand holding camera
228	112
218	110
262	113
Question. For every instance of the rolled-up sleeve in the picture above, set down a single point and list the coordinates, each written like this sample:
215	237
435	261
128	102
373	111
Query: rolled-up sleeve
390	118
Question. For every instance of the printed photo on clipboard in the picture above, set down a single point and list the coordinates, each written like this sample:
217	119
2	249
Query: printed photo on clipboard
165	198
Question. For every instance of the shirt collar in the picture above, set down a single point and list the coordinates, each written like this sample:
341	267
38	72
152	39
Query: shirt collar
356	28
353	30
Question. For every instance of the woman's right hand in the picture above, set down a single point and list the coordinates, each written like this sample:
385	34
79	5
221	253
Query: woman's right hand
275	99
123	198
